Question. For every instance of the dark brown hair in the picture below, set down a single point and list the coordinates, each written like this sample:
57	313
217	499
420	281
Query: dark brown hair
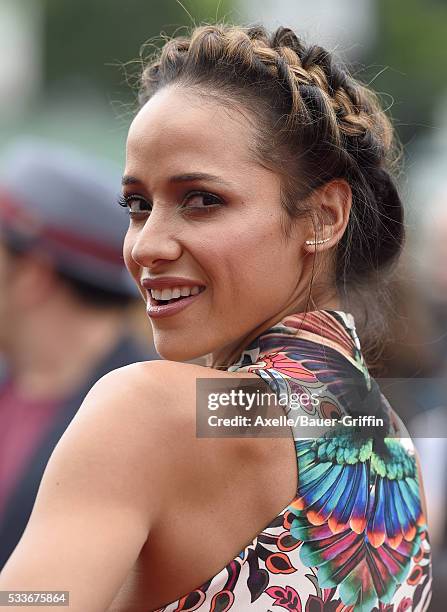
316	123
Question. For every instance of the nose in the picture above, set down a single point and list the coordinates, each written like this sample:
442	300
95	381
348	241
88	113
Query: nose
155	241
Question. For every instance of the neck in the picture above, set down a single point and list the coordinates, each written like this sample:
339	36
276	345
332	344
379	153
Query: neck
226	356
55	351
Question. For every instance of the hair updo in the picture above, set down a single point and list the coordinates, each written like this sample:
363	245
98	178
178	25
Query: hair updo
316	123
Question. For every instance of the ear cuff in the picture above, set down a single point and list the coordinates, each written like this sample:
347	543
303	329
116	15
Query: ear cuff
317	241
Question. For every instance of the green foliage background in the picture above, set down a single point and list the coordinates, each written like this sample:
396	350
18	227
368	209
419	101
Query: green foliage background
90	38
411	55
90	48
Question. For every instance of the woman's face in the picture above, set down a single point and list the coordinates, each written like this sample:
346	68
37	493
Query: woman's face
204	211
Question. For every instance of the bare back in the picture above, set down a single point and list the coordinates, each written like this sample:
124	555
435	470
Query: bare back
222	498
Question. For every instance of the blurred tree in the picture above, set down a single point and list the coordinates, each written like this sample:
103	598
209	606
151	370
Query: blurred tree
411	46
85	40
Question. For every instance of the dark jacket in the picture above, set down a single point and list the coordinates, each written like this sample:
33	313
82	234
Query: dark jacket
21	502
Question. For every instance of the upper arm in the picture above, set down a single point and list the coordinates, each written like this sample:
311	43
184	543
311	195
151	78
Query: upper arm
100	494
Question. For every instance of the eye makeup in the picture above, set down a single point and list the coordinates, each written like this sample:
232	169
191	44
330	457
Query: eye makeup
137	205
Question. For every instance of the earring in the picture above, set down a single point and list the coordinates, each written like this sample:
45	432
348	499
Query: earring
317	241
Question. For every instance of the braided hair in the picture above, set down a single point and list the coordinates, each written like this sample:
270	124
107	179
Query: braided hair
316	123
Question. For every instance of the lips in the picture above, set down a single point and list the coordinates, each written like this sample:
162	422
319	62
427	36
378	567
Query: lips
155	310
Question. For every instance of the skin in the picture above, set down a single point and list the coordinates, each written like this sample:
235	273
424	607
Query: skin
148	474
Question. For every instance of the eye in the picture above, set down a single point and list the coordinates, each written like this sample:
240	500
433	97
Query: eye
136	205
139	208
201	200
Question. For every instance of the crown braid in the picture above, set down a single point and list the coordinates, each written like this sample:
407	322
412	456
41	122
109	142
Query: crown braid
351	108
315	123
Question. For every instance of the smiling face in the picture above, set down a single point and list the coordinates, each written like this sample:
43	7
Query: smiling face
222	233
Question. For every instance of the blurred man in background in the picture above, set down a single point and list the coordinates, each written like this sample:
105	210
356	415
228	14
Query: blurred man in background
430	427
434	255
64	300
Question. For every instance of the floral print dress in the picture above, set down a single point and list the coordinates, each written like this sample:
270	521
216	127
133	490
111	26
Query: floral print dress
354	537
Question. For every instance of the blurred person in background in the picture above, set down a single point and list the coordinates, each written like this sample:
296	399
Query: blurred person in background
429	425
433	255
410	355
64	297
410	365
413	368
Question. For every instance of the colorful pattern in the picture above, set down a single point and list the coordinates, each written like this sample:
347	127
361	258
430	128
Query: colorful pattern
354	537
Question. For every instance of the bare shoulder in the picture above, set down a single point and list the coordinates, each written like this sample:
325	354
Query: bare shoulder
163	390
147	386
141	389
155	402
152	394
145	413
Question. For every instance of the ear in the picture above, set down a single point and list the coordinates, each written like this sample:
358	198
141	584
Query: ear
331	205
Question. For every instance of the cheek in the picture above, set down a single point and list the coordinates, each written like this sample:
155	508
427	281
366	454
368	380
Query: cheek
256	257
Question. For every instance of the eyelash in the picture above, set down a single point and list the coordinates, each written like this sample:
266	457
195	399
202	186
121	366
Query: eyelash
125	201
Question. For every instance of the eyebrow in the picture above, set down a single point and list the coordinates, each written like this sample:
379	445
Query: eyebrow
181	178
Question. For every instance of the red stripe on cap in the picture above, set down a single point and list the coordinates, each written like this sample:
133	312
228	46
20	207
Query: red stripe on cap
21	220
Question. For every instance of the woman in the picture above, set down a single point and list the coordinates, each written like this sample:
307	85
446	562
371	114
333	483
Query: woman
259	191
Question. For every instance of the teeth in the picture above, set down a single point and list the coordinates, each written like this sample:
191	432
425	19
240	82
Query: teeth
174	292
